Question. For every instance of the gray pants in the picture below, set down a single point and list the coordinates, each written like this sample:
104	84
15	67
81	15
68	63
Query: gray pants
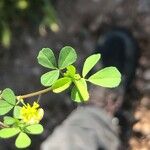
87	128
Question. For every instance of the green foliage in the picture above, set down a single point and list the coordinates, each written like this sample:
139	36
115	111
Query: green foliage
90	63
25	119
71	71
5	107
16	112
61	84
9	96
7	101
9	132
34	129
22	140
107	77
67	57
41	14
15	125
79	92
81	86
46	58
9	120
49	78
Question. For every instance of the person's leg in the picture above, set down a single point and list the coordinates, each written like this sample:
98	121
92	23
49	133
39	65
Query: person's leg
87	128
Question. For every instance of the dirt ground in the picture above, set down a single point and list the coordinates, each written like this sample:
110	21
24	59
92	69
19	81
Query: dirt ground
81	23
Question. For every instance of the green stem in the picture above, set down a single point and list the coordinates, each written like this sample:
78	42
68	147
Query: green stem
34	93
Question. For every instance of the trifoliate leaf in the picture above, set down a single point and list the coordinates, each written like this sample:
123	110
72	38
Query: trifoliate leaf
67	57
9	132
107	77
9	96
16	112
9	120
49	78
61	84
34	129
5	107
22	140
47	59
80	93
90	63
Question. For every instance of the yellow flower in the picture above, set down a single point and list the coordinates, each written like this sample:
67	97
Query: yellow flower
32	114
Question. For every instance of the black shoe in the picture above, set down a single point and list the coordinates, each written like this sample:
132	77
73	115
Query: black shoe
119	49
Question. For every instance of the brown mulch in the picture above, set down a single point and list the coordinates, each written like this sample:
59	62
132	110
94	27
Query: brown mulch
140	139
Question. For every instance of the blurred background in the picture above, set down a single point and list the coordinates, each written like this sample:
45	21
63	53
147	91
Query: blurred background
26	26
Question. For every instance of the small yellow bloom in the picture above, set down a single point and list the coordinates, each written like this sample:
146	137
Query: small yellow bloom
32	114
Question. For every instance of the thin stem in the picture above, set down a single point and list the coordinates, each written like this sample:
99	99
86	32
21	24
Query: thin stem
34	93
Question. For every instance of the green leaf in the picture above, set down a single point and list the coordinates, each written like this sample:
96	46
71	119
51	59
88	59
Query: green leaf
107	77
49	78
34	129
16	112
67	57
22	140
71	70
9	120
5	107
90	63
61	84
9	132
47	59
75	95
80	93
9	96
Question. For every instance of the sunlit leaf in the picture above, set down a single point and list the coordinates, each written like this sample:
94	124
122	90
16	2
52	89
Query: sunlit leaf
16	112
75	95
9	96
22	140
67	57
107	77
71	70
90	63
9	120
49	78
61	84
5	107
80	93
9	132
46	58
34	129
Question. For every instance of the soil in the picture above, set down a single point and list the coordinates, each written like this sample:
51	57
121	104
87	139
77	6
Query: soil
81	23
